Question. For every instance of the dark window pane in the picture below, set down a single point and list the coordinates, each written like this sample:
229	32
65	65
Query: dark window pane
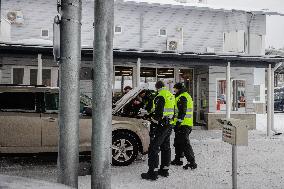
17	101
46	77
18	75
51	101
85	73
33	76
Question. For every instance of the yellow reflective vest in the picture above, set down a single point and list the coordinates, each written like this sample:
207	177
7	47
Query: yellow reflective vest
188	119
169	102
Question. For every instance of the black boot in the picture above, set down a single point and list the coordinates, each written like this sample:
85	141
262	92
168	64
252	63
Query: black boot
177	162
163	172
190	165
150	175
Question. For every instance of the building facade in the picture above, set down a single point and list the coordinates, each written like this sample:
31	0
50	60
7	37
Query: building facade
177	27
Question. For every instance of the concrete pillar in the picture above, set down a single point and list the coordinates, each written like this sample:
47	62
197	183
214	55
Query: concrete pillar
39	69
138	71
69	95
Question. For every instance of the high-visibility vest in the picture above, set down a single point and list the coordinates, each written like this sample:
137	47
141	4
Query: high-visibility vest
188	119
169	102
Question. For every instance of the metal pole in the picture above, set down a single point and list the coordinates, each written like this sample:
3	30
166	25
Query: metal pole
228	93
70	51
0	19
228	115
138	67
102	99
269	100
273	84
39	70
272	99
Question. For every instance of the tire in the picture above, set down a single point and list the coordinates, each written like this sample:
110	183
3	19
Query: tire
124	148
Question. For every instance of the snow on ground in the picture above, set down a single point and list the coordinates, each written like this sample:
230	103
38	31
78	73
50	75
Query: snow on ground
261	122
260	165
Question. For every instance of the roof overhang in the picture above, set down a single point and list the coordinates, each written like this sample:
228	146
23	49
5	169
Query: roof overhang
152	56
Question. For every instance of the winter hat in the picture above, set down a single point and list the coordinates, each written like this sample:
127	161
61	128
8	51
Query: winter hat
159	84
178	86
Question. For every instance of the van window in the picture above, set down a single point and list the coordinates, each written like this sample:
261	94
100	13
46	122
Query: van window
17	101
51	102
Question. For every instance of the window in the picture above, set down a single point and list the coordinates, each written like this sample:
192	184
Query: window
234	41
148	75
46	77
238	95
163	32
257	93
18	76
117	29
44	33
18	101
51	102
33	76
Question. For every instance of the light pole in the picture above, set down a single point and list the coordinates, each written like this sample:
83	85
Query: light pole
102	94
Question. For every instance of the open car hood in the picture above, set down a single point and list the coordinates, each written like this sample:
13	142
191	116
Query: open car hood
128	97
122	102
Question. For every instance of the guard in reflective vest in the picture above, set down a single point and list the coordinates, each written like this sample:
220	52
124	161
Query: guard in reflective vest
183	126
161	115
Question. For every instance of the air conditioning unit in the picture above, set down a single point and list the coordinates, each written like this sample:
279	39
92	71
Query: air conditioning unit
173	44
15	17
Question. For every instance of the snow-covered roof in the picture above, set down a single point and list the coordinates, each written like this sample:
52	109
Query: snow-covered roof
199	6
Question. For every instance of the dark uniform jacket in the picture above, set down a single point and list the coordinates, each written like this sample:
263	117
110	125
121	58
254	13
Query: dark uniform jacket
181	105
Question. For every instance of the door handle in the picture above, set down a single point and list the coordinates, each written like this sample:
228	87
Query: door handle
50	119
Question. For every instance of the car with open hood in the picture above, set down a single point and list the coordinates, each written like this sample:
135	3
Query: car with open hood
29	124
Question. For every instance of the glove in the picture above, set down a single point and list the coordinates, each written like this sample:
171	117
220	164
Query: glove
178	124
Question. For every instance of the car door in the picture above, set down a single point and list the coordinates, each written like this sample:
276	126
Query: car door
20	123
49	118
50	126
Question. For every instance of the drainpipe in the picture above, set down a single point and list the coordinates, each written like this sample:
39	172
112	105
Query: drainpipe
249	23
272	98
102	94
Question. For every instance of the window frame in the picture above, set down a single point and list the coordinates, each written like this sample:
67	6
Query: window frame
165	31
115	32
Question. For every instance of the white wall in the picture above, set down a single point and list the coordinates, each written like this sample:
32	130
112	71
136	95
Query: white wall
259	79
5	31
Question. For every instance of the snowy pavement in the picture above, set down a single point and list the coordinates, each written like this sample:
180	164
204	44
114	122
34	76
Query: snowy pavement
260	165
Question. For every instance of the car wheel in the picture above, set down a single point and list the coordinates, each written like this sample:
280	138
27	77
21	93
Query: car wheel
124	149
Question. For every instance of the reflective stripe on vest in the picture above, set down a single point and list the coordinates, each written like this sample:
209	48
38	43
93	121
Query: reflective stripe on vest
188	118
169	102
